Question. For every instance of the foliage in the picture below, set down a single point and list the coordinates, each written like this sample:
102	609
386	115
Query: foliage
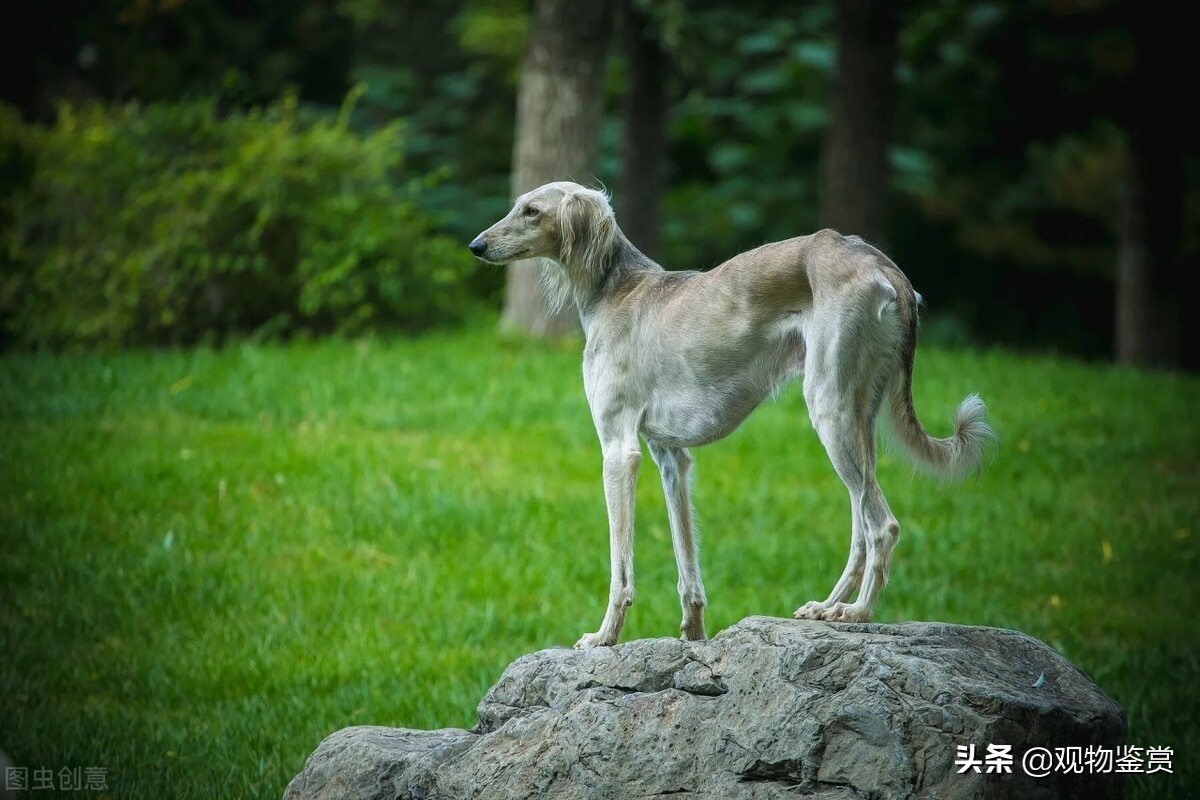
251	547
249	51
1016	110
1007	135
450	70
754	87
169	222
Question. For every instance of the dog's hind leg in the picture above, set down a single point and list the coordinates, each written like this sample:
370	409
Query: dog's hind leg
884	531
852	449
674	464
844	387
849	440
851	575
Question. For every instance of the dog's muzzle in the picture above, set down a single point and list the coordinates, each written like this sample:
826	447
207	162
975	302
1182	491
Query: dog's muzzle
478	247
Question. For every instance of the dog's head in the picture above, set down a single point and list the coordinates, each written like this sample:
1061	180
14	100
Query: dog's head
562	221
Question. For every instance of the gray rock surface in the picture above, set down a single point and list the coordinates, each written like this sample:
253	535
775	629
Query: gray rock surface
769	708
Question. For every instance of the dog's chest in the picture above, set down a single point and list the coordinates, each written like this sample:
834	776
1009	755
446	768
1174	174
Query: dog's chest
682	394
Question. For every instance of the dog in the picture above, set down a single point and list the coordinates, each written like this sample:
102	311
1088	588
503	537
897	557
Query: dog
680	359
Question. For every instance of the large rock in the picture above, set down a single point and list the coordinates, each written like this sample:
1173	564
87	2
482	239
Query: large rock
768	708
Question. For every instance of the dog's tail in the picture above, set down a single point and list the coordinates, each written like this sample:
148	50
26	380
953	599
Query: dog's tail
955	456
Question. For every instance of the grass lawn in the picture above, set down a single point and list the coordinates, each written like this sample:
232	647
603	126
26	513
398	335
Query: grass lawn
212	559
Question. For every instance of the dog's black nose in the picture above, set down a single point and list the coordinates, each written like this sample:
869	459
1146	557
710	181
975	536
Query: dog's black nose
477	247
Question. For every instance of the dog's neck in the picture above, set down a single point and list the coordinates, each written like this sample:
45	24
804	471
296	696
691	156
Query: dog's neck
621	260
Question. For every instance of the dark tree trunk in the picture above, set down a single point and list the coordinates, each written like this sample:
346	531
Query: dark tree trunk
1149	251
559	107
645	116
856	180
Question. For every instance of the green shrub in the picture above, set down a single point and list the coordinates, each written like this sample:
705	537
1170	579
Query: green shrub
172	223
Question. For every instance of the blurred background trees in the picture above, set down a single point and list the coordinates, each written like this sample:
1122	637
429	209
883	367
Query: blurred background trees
174	170
856	193
559	106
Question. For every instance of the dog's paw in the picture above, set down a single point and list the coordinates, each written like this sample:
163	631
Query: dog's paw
590	640
692	631
813	609
846	612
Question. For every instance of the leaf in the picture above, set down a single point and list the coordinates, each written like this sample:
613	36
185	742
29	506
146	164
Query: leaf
815	53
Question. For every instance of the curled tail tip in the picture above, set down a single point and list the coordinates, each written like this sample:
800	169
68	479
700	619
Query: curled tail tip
971	411
975	435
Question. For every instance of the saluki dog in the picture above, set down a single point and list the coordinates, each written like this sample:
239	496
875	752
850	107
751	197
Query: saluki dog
681	358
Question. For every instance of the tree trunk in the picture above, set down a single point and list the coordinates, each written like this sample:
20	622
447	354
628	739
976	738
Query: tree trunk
645	136
559	107
856	180
1149	250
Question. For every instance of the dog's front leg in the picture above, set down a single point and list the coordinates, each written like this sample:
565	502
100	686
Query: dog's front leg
674	463
620	480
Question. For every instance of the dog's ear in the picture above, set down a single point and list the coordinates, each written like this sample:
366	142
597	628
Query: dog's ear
587	229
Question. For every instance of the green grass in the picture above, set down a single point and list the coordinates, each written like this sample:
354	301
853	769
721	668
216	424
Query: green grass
212	559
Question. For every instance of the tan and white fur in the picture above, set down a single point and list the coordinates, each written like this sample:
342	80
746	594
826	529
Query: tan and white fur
679	359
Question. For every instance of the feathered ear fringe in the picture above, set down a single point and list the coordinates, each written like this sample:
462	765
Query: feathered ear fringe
587	229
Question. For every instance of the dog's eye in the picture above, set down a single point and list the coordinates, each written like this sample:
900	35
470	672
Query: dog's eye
530	211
